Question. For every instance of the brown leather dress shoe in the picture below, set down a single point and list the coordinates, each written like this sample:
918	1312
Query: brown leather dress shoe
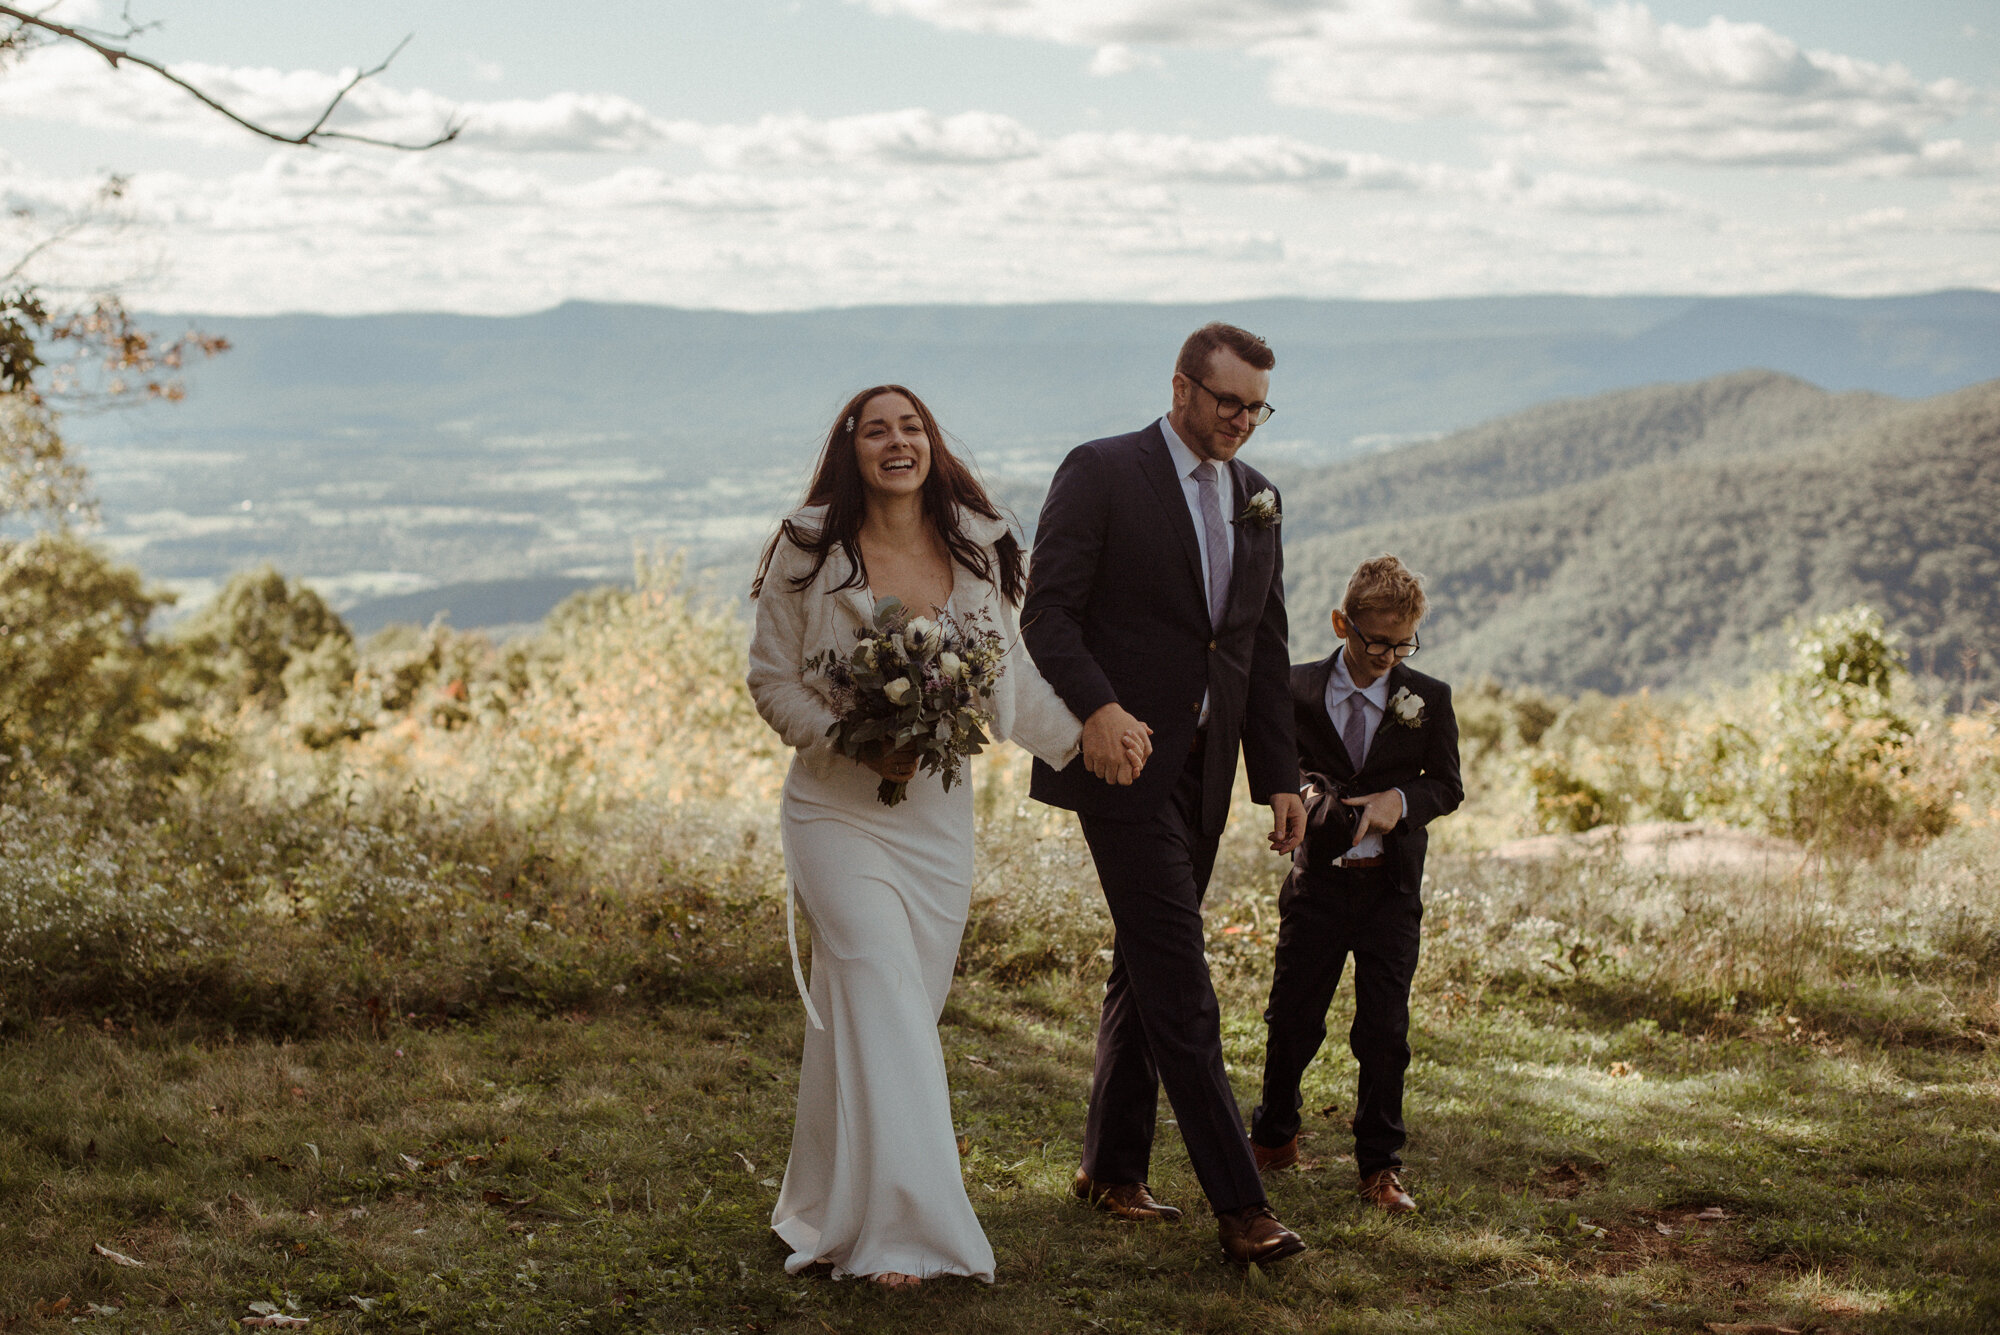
1253	1236
1270	1160
1385	1189
1287	1155
1126	1200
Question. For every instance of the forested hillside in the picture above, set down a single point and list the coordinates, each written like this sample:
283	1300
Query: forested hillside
1660	537
1560	444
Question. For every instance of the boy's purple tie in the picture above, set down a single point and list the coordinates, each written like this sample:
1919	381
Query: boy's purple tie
1354	734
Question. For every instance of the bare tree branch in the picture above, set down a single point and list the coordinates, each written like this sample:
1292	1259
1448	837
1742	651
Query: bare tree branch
49	242
114	56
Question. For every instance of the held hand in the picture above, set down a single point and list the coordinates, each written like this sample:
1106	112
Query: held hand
899	766
1116	746
1379	812
1288	822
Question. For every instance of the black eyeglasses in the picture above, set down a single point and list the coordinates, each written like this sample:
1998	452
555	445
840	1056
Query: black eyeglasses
1228	405
1400	648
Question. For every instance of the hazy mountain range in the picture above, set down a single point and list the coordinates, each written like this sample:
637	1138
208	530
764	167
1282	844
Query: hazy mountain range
1662	536
486	464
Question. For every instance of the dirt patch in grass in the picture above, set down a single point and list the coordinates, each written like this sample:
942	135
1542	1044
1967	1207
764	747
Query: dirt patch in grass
1565	1180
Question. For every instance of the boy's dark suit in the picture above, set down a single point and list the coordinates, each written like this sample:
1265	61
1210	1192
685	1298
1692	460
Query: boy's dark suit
1326	912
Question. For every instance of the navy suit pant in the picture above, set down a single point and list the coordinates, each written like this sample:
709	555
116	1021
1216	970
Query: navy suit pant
1324	917
1161	1023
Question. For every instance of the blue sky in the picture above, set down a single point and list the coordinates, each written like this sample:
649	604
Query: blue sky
792	153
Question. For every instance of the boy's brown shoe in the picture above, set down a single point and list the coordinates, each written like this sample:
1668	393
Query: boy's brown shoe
1385	1189
1287	1155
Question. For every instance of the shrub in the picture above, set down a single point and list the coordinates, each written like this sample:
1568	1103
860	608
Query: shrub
79	678
244	640
1835	751
1845	755
1564	801
37	478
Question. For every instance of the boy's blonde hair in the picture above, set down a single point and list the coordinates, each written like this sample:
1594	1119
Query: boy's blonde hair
1385	584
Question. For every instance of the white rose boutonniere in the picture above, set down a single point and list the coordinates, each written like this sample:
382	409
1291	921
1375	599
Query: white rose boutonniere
1407	708
1261	510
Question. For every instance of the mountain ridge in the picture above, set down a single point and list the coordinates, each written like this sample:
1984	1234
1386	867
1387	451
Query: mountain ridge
382	456
1675	573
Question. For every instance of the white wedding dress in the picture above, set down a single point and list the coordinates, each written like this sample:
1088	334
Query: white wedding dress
874	1183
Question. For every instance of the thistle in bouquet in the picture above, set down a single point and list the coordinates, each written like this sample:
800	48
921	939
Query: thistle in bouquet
917	684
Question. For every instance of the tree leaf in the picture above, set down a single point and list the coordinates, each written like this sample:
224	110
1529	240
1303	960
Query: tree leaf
117	1258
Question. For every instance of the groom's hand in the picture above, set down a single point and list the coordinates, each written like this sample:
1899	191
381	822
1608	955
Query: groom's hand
1115	745
1379	812
1288	822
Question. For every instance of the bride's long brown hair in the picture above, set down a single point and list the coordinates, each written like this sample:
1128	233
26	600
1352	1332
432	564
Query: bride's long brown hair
950	487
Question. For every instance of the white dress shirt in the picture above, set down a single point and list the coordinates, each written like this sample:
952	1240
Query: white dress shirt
1341	696
1185	463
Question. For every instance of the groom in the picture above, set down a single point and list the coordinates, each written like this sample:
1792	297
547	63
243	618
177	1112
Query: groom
1156	608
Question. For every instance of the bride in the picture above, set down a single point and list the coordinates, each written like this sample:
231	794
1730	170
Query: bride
873	1185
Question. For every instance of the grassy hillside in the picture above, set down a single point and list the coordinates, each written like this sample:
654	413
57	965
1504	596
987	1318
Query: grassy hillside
1658	538
443	987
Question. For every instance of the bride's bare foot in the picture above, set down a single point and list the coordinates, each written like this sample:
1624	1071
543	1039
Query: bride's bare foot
891	1279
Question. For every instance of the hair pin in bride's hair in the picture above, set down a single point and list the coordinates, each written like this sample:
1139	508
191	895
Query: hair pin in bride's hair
849	424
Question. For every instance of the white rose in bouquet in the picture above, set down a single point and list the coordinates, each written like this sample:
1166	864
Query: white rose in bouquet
898	690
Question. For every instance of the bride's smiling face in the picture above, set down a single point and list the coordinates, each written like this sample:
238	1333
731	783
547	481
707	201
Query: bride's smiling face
891	447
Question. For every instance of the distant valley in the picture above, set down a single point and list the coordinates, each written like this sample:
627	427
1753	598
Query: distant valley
410	464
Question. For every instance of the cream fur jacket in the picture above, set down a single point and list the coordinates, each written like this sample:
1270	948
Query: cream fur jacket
794	624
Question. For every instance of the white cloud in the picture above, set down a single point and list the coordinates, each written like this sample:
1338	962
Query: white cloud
1082	217
556	123
1972	209
911	205
914	137
1566	192
1116	58
986	143
1100	22
66	83
1568	78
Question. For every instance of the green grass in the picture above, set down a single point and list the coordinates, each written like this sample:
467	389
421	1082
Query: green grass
407	1059
614	1170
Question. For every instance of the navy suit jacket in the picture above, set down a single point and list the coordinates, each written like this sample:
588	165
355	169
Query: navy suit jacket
1422	761
1116	612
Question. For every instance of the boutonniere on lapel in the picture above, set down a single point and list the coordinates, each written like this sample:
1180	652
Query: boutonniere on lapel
1407	708
1261	511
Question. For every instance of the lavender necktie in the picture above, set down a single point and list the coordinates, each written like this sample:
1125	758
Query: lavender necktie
1354	734
1217	535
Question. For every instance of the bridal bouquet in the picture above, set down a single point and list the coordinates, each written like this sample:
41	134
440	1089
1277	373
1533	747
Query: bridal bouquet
914	682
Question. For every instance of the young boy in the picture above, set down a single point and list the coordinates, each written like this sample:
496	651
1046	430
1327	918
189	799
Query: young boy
1378	761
